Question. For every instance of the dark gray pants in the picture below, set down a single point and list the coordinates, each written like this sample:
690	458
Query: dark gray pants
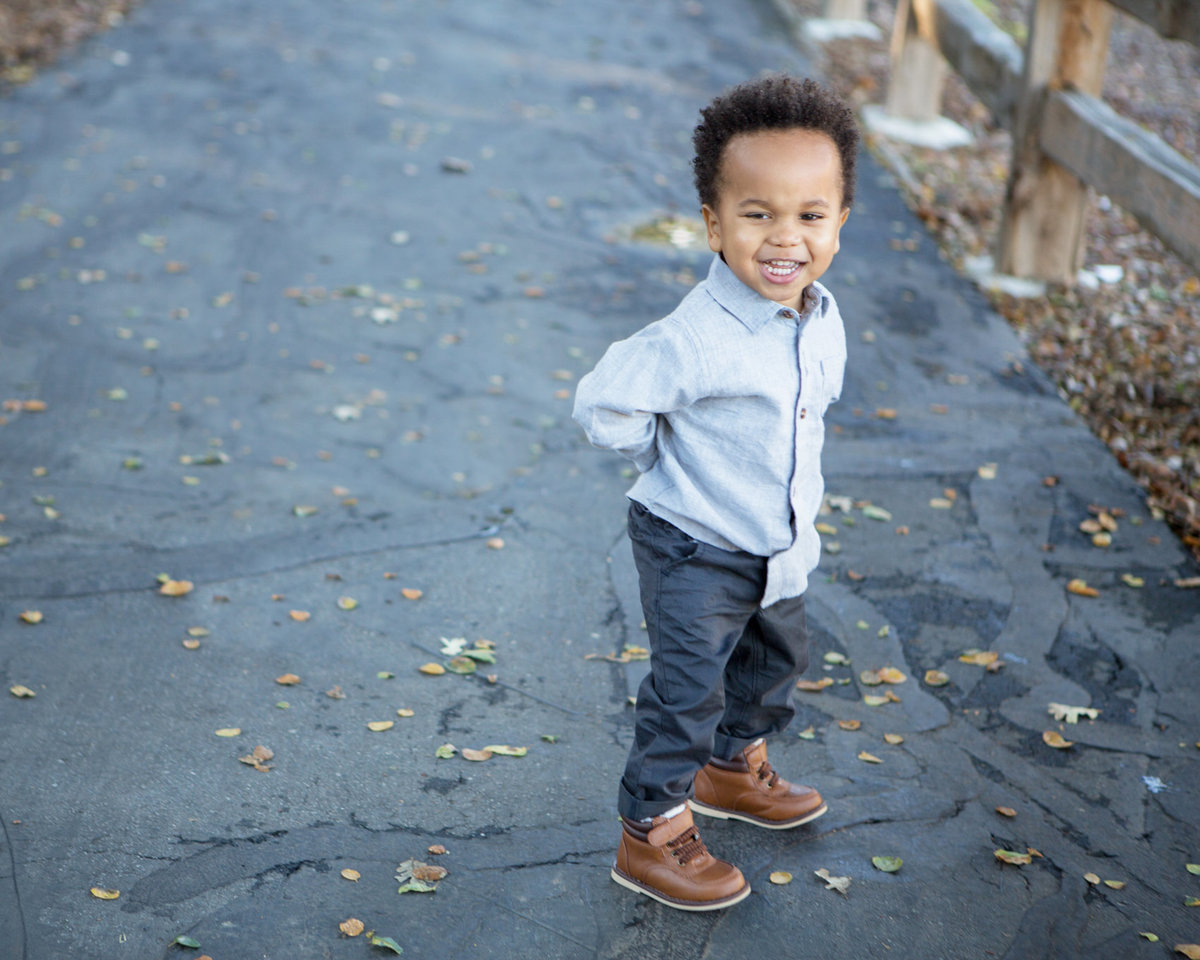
722	669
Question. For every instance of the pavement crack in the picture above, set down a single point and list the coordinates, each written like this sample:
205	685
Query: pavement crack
20	911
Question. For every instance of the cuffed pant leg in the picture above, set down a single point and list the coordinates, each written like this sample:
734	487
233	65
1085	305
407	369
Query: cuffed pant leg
760	675
697	600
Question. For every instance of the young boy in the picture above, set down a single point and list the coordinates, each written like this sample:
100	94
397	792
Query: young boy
720	406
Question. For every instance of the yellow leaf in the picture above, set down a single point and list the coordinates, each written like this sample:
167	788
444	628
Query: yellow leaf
190	643
504	750
353	875
411	593
988	471
347	603
872	700
849	724
1131	581
351	927
198	631
936	678
32	616
980	658
176	588
378	726
893	738
102	893
1006	811
477	755
1152	937
1011	856
780	877
1091	878
300	616
827	528
891	675
941	503
870	678
1080	588
287	680
22	691
405	712
868	757
1115	884
432	669
229	732
1052	738
814	686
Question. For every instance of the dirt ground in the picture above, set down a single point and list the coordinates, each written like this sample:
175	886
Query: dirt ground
1125	355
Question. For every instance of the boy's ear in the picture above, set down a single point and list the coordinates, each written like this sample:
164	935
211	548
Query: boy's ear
712	228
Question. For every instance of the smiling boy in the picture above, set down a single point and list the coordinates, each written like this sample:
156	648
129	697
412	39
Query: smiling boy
720	406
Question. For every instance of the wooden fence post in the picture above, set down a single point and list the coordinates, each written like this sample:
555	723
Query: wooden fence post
1042	231
918	70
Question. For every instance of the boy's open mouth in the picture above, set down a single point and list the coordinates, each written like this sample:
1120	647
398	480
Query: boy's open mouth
781	270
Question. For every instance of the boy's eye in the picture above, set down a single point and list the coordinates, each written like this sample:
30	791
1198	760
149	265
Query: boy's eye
756	216
810	216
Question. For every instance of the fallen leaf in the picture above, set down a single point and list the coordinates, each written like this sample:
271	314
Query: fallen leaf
980	658
887	864
287	680
780	877
936	678
503	750
229	732
335	693
838	659
445	751
378	726
849	724
461	664
1061	711
176	588
893	738
103	893
346	603
386	942
477	755
22	691
198	631
1080	588
814	686
185	941
411	593
1091	878
436	849
352	875
432	669
876	513
1192	868
827	528
1115	884
1191	902
1011	856
300	616
872	700
351	927
258	757
1131	581
1152	937
31	616
405	712
495	543
1006	811
870	678
807	734
941	503
988	471
868	757
891	675
1052	738
840	884
428	872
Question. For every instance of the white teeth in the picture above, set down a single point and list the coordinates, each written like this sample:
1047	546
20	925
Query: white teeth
781	268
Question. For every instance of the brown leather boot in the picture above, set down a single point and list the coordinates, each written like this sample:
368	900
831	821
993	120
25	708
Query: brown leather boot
669	863
746	788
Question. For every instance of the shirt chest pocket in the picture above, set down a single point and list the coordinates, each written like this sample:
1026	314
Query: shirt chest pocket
826	375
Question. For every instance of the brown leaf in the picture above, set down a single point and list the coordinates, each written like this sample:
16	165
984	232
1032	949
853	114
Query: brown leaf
1052	738
352	875
335	693
476	755
351	927
1006	811
411	593
176	588
432	669
1080	588
936	678
814	686
436	849
868	757
287	680
893	738
849	724
1011	856
428	872
300	616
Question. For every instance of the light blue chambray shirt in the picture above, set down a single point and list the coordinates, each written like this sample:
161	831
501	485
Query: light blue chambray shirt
721	405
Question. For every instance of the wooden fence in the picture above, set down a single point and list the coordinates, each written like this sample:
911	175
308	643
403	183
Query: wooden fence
1065	138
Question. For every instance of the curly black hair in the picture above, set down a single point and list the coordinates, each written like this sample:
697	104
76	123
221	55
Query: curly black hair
777	102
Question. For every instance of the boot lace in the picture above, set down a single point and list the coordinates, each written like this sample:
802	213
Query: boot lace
767	772
686	847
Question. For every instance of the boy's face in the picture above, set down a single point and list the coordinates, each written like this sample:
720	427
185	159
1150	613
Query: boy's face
779	210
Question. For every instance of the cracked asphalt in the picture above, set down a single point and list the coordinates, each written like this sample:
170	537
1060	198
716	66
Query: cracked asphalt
304	288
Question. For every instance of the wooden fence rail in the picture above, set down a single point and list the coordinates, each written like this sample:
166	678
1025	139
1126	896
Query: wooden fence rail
1064	137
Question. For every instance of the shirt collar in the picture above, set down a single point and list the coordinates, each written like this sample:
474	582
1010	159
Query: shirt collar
750	307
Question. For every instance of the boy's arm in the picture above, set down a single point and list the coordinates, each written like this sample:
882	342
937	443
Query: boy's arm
617	404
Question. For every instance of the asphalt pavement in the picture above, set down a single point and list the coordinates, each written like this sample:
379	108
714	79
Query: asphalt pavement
293	299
